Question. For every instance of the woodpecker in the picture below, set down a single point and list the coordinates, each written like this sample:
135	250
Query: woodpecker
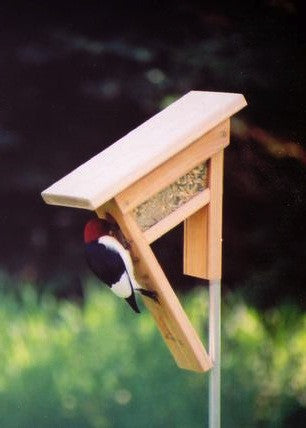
111	262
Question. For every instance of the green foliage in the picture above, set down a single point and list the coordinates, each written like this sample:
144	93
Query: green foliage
102	366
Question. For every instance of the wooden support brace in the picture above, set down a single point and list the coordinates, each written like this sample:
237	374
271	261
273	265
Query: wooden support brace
214	217
174	325
195	244
203	229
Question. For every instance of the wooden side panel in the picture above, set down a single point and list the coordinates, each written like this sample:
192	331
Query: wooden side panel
174	325
195	244
214	226
181	163
203	230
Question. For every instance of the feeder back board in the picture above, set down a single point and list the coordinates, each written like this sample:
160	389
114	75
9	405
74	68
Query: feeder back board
166	171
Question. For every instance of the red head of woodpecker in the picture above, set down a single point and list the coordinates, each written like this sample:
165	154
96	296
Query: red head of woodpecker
111	262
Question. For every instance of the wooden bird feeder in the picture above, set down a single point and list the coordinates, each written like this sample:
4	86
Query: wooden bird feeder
167	171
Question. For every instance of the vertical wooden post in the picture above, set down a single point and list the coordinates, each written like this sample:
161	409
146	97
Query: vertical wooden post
214	217
203	230
195	244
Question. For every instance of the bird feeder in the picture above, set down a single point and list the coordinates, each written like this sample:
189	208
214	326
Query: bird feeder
167	171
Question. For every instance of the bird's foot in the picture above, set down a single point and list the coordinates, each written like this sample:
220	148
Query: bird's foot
149	293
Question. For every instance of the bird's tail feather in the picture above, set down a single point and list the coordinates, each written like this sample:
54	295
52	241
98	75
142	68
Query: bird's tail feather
132	302
148	293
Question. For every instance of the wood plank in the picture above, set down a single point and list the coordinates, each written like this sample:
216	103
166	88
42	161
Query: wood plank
214	227
195	244
143	149
177	166
203	230
173	323
177	216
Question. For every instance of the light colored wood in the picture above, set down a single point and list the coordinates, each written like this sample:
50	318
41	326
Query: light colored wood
214	217
203	230
143	149
174	325
177	216
195	244
183	162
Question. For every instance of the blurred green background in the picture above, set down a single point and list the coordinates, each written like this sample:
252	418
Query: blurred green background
74	78
100	366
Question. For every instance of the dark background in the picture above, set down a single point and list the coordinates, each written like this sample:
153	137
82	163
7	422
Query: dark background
76	76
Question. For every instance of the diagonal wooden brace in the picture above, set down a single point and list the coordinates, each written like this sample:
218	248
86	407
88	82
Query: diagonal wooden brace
173	323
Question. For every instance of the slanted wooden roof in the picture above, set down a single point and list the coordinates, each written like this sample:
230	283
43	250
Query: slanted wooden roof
143	149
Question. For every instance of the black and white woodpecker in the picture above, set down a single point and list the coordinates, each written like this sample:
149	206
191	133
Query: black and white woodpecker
111	262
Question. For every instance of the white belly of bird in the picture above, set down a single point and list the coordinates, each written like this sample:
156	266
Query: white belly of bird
122	288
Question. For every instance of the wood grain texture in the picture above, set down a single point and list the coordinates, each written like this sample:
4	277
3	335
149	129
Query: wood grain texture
175	167
177	216
203	230
173	323
143	149
214	217
195	244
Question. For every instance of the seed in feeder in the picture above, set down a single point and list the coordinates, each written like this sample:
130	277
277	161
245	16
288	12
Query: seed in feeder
172	197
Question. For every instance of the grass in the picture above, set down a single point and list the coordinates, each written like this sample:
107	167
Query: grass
102	366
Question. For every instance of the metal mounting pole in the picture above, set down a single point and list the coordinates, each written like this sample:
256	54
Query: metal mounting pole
215	353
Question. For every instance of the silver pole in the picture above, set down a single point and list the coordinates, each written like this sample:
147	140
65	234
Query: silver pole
215	353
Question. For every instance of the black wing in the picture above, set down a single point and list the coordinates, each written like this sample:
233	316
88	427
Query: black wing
105	263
